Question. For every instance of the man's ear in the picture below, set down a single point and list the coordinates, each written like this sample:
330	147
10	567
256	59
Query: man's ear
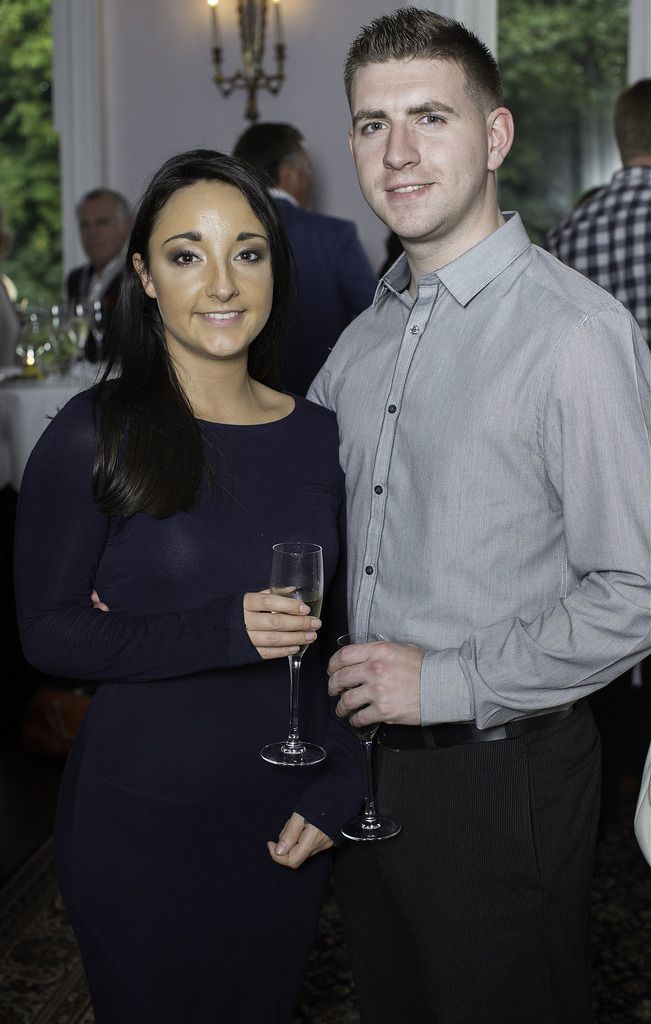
143	274
501	131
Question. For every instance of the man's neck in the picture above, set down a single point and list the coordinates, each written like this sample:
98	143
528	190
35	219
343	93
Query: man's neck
430	255
644	160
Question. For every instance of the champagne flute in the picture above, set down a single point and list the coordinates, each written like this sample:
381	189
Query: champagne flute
369	825
296	572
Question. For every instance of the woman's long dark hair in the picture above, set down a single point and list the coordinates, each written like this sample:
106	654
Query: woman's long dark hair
149	452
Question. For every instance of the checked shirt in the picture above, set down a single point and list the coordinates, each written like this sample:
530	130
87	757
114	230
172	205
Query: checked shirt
608	239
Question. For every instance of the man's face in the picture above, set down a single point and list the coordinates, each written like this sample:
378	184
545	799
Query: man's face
421	146
103	229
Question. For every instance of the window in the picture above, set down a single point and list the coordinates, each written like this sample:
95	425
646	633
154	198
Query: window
564	63
29	160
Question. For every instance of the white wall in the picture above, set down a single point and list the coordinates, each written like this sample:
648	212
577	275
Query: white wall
153	93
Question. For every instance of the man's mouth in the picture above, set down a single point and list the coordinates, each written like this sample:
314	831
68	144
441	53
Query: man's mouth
404	189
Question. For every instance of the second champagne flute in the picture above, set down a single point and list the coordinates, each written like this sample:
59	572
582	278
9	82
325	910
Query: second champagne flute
296	572
368	825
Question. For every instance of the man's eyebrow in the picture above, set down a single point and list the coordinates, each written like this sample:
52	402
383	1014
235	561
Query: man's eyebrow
426	107
369	115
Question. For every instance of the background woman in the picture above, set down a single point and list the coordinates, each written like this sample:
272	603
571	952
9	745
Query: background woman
163	490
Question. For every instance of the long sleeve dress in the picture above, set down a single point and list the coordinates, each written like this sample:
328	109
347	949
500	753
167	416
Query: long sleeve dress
166	805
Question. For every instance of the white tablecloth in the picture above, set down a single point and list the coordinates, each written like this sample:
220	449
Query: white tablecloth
26	407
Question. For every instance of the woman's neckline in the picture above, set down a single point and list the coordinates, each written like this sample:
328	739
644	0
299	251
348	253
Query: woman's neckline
249	426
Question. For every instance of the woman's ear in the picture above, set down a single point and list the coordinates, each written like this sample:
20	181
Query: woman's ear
143	274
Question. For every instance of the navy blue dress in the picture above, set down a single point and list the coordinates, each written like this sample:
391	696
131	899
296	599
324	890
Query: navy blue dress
166	805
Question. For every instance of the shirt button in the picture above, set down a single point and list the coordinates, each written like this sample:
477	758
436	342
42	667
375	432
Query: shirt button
378	489
369	570
392	408
415	329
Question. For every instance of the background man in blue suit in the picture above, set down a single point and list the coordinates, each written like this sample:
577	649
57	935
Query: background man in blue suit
334	280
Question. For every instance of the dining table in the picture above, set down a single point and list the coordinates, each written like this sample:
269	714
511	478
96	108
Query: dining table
27	405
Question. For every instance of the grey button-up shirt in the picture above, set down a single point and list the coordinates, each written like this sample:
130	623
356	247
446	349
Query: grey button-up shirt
494	433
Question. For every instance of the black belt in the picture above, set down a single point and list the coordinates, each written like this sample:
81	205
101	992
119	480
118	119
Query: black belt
415	737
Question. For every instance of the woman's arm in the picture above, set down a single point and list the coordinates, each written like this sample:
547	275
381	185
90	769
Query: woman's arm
60	537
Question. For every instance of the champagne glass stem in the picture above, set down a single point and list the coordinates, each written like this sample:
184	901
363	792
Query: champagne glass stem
293	741
369	795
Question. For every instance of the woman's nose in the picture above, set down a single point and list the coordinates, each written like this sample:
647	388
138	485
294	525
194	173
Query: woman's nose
221	284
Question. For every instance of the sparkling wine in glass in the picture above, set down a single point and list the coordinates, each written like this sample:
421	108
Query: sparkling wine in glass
296	572
369	825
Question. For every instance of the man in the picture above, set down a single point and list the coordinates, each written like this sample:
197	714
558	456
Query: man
491	411
334	280
104	220
608	236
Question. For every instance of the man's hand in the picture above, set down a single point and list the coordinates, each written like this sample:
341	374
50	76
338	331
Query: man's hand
298	841
381	678
278	626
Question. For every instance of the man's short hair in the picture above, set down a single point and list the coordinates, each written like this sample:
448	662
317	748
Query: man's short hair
124	209
633	120
410	33
267	145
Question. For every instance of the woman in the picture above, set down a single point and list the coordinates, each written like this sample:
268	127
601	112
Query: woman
162	491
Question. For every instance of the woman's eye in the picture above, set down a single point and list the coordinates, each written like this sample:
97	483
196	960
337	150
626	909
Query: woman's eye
249	256
185	258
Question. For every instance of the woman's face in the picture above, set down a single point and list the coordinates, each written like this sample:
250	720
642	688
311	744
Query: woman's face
210	273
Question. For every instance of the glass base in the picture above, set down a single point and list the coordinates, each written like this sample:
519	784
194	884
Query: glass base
295	754
365	829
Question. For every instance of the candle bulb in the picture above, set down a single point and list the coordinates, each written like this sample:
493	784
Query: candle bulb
278	22
214	24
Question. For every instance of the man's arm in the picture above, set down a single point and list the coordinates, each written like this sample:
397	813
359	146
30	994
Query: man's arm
594	435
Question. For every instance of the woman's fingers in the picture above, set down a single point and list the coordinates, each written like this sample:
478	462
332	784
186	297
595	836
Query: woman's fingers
278	626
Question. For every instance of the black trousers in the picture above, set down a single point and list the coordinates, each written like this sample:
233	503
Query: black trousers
478	911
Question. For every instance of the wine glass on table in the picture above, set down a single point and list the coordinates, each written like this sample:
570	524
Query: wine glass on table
296	572
95	342
79	326
369	825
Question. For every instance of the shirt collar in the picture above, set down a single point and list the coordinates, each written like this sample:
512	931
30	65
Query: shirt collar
632	172
466	276
279	193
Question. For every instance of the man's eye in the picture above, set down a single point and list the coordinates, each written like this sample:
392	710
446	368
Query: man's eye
372	127
432	119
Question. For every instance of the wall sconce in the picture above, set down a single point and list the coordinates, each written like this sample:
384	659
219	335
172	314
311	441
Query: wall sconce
252	76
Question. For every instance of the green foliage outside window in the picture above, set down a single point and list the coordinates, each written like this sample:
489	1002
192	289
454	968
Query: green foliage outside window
563	64
29	160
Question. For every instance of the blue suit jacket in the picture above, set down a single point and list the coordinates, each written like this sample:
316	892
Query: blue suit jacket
333	283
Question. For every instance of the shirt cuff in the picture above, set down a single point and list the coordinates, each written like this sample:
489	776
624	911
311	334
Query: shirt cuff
445	692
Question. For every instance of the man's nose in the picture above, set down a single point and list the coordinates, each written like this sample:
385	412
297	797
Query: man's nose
401	149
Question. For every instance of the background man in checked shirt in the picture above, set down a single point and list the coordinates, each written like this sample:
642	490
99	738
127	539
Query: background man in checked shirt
491	407
608	237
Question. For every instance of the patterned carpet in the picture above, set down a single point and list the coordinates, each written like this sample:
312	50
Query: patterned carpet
41	980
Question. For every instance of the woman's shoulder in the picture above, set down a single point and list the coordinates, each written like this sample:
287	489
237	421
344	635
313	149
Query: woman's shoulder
310	411
73	428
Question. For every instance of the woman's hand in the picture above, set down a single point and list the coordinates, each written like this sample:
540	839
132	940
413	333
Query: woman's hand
298	841
97	603
278	626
